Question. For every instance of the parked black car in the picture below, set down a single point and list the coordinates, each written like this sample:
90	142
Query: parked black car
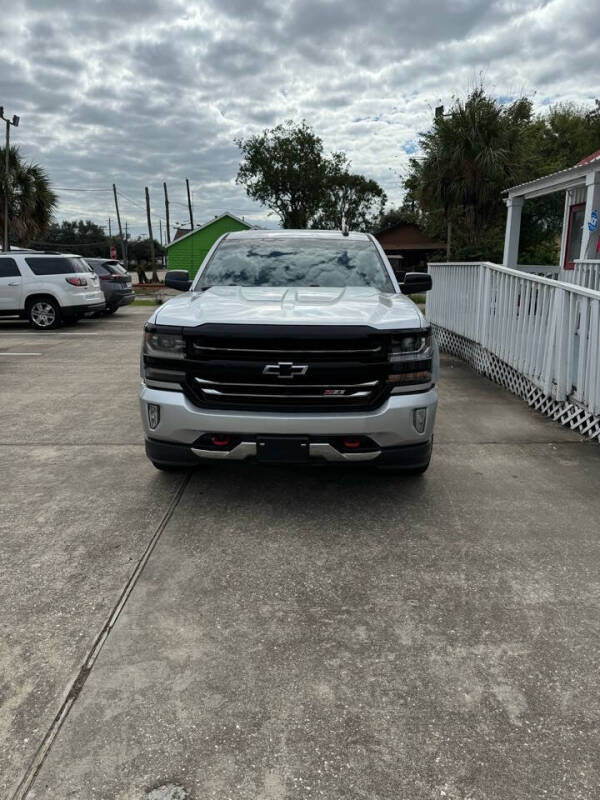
115	282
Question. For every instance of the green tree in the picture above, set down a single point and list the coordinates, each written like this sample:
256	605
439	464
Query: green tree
479	149
139	252
31	200
408	212
350	200
287	170
470	156
80	236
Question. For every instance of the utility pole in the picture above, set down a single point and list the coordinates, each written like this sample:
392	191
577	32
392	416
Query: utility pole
167	213
15	123
187	184
152	255
109	229
123	241
162	258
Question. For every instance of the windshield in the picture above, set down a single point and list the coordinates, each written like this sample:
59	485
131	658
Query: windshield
295	262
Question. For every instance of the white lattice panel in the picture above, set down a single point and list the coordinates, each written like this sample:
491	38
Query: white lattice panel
566	412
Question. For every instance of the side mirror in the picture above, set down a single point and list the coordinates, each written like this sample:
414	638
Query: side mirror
178	279
415	283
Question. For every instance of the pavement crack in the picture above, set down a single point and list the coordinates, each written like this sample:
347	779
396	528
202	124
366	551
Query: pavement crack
86	667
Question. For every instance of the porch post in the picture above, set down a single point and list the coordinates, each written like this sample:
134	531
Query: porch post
514	207
592	203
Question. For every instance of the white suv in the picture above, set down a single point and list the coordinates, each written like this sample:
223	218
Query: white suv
47	288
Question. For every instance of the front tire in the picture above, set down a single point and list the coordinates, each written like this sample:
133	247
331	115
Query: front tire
44	314
110	309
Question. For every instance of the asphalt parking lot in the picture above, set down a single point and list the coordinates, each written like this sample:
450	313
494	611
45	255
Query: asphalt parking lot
290	633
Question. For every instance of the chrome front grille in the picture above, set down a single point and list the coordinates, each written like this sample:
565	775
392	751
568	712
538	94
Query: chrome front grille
283	368
267	392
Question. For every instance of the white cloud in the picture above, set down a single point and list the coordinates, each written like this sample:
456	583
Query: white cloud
143	91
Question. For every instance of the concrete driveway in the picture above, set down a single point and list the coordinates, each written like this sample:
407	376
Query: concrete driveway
288	633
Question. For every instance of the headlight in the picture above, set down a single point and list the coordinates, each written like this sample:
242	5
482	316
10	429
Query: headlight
409	344
164	345
410	359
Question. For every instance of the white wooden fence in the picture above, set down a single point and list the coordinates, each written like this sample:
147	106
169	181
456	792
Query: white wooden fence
536	336
543	270
587	273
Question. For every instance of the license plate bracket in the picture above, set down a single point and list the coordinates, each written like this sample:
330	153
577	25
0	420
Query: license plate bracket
283	449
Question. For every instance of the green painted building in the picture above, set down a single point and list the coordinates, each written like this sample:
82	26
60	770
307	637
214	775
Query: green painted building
189	251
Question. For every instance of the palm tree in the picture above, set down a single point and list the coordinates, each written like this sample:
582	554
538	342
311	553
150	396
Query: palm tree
31	201
470	156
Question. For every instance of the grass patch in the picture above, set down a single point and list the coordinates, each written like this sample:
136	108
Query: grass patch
146	302
419	299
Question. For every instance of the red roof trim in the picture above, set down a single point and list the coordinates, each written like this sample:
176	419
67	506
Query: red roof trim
588	159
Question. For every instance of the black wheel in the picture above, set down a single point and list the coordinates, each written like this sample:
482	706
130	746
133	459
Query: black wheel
44	314
110	309
169	467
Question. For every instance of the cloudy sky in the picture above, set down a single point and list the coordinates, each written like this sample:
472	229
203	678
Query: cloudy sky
140	91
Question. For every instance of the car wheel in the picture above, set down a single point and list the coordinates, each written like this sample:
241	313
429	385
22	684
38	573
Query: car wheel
110	309
44	314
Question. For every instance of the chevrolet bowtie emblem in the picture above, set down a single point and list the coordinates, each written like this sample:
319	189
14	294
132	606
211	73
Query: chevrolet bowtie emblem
285	369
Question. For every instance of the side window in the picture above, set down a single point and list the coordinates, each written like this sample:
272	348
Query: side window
8	268
64	265
100	269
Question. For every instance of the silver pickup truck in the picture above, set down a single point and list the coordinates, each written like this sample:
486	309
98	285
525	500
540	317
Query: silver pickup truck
290	347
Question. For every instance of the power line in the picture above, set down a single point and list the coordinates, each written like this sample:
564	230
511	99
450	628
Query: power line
74	189
136	203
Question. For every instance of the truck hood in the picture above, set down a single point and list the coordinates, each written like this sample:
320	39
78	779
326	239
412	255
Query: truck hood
297	306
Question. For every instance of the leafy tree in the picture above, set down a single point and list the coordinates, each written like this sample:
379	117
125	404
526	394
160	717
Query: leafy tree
138	251
481	148
351	200
31	200
408	212
79	236
470	156
287	170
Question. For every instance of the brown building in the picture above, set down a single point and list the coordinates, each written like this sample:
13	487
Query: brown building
408	247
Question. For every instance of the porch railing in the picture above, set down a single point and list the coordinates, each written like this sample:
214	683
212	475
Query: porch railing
543	270
587	273
541	336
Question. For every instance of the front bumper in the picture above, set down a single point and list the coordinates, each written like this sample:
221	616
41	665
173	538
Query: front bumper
410	456
390	427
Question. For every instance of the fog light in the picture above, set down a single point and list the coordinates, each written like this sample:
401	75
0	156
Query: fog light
153	415
220	440
419	419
